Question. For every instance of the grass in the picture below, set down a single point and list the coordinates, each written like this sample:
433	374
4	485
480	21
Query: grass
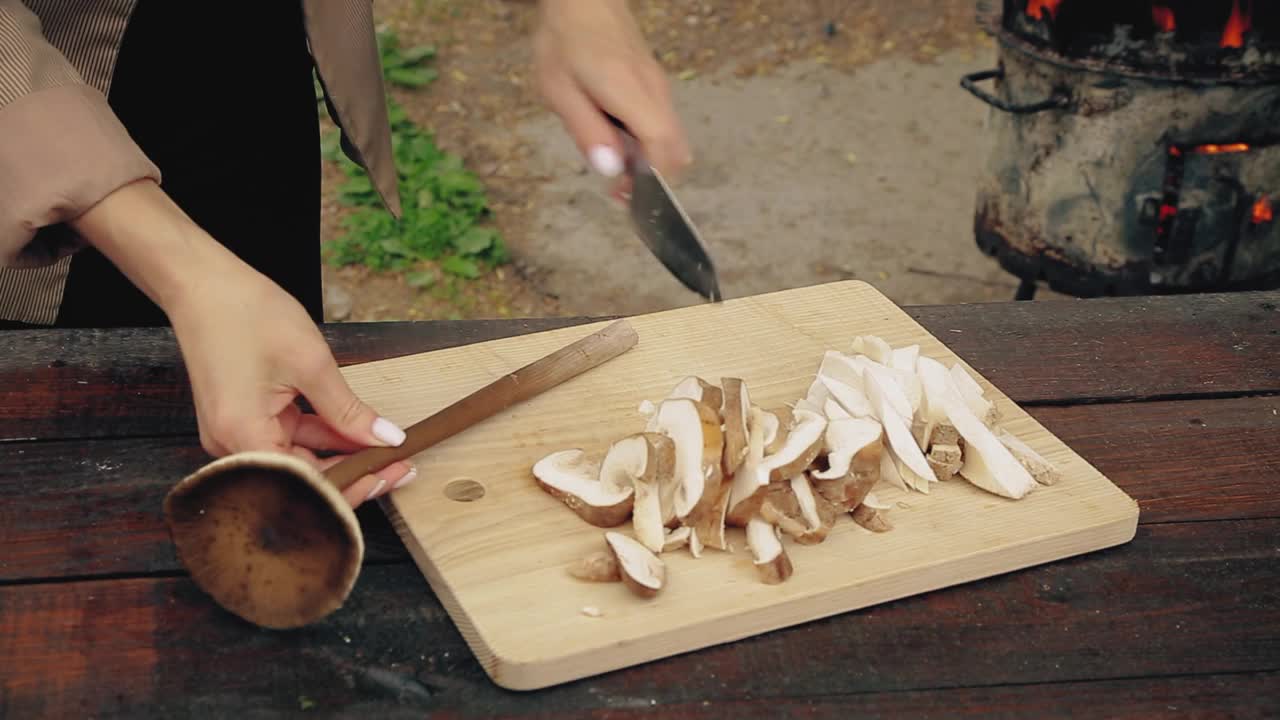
445	208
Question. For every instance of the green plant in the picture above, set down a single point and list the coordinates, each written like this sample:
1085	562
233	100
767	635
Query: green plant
444	205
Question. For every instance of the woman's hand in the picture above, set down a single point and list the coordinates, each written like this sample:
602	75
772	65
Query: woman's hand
590	59
250	348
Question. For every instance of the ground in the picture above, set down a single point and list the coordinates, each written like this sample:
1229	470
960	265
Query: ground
831	140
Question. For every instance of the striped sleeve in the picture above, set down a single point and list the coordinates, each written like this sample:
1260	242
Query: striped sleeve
62	149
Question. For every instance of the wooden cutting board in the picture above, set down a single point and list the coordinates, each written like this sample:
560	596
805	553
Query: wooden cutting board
498	562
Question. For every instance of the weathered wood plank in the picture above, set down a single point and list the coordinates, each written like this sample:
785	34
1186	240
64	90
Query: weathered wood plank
93	507
130	382
90	383
1181	599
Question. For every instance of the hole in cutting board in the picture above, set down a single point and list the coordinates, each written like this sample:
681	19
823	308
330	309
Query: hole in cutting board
463	490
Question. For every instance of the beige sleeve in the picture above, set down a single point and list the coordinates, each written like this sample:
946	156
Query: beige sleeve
62	149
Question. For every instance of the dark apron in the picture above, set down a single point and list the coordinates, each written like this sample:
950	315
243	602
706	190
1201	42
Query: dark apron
219	95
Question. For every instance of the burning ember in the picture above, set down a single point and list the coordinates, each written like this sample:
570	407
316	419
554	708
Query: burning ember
1038	8
1163	18
1262	211
1237	25
1209	149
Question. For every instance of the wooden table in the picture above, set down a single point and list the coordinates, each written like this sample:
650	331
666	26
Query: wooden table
1175	399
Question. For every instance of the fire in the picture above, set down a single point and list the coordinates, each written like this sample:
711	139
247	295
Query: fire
1237	25
1163	18
1212	149
1038	8
1262	210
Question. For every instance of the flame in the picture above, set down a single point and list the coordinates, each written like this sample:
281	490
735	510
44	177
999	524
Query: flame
1262	210
1037	8
1163	18
1211	149
1237	25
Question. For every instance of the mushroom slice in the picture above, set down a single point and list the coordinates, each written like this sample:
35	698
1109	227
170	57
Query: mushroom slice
799	512
945	460
903	445
601	566
695	388
695	543
988	464
853	400
804	442
848	492
889	471
871	519
648	462
574	478
709	525
783	420
735	412
834	410
695	428
642	571
815	398
1044	472
746	490
873	347
677	538
843	439
767	553
972	394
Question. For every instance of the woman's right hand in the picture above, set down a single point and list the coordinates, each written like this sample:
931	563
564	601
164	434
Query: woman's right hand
250	348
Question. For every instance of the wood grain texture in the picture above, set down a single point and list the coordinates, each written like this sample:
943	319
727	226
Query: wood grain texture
93	507
131	381
96	383
516	542
1182	599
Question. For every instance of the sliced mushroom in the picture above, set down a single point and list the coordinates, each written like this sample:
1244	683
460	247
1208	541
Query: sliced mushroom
709	526
842	440
642	571
945	460
735	412
803	443
783	420
599	566
873	347
767	553
988	464
677	538
574	478
945	434
901	443
695	388
648	462
815	398
847	492
745	492
799	512
834	410
695	543
972	394
1044	472
695	428
850	398
871	519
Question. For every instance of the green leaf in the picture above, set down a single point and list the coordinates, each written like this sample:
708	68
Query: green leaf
421	279
475	240
417	54
460	266
411	77
393	246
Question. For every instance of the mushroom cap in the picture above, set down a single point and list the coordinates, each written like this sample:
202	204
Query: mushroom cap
267	537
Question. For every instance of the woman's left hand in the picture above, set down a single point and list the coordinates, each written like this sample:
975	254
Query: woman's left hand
590	59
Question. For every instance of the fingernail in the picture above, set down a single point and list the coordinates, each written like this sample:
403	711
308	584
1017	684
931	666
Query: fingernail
376	489
387	432
408	478
605	160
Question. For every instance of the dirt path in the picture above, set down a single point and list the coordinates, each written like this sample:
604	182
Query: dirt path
832	140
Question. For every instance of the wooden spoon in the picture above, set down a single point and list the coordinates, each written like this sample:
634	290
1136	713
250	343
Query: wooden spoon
271	538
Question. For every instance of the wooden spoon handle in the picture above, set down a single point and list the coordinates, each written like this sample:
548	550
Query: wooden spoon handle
532	379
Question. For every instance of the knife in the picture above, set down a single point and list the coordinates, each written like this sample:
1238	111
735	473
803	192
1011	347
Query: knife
663	224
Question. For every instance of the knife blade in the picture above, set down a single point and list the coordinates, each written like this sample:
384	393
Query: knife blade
664	226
